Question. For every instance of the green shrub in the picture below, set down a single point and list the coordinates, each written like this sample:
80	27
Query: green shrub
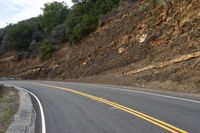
142	8
57	35
87	24
20	35
1	90
159	2
2	34
103	6
84	17
45	50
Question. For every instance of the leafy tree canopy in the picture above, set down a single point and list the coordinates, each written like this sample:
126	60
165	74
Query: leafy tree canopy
56	24
20	35
53	14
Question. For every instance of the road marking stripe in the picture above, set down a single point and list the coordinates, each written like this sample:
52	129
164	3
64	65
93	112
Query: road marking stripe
40	106
41	111
148	118
128	89
141	92
154	94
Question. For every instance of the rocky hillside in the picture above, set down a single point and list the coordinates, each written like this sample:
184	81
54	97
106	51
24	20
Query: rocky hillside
133	36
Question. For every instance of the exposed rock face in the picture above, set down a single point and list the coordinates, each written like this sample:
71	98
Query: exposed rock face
133	36
165	63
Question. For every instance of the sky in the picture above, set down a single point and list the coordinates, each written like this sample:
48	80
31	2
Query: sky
12	11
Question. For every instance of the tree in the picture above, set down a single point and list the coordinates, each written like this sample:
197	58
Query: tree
84	17
2	34
53	14
87	24
103	6
56	24
78	1
57	35
20	35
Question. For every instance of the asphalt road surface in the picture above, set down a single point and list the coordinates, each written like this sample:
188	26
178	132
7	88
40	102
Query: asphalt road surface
90	108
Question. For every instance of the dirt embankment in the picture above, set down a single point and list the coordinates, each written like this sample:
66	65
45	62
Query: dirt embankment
133	36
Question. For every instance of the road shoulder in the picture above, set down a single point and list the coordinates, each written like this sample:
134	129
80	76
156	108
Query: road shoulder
9	103
24	120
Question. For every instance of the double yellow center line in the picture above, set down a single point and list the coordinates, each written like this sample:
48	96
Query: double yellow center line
141	115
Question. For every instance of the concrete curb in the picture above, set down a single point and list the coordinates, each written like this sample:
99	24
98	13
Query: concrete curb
24	120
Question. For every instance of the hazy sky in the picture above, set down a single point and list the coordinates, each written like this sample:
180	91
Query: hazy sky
12	11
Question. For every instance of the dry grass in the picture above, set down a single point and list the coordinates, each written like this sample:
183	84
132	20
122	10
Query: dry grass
9	101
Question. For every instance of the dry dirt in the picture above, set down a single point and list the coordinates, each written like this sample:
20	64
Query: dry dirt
134	35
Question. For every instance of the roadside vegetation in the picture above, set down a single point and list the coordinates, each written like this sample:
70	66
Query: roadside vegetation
58	23
8	106
1	90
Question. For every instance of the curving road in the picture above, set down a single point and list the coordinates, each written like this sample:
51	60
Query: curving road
91	108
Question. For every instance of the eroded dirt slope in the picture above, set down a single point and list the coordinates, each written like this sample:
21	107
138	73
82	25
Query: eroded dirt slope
134	35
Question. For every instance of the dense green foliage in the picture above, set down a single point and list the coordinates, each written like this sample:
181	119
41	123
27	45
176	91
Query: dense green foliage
1	90
57	35
84	27
45	50
53	14
57	24
84	17
2	34
21	35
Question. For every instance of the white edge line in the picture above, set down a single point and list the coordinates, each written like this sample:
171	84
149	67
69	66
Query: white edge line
150	93
155	94
41	111
142	92
40	105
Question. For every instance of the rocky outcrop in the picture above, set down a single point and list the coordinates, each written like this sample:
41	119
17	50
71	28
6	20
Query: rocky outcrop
165	63
133	38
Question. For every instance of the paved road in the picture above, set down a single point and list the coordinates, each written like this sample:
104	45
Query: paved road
89	108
